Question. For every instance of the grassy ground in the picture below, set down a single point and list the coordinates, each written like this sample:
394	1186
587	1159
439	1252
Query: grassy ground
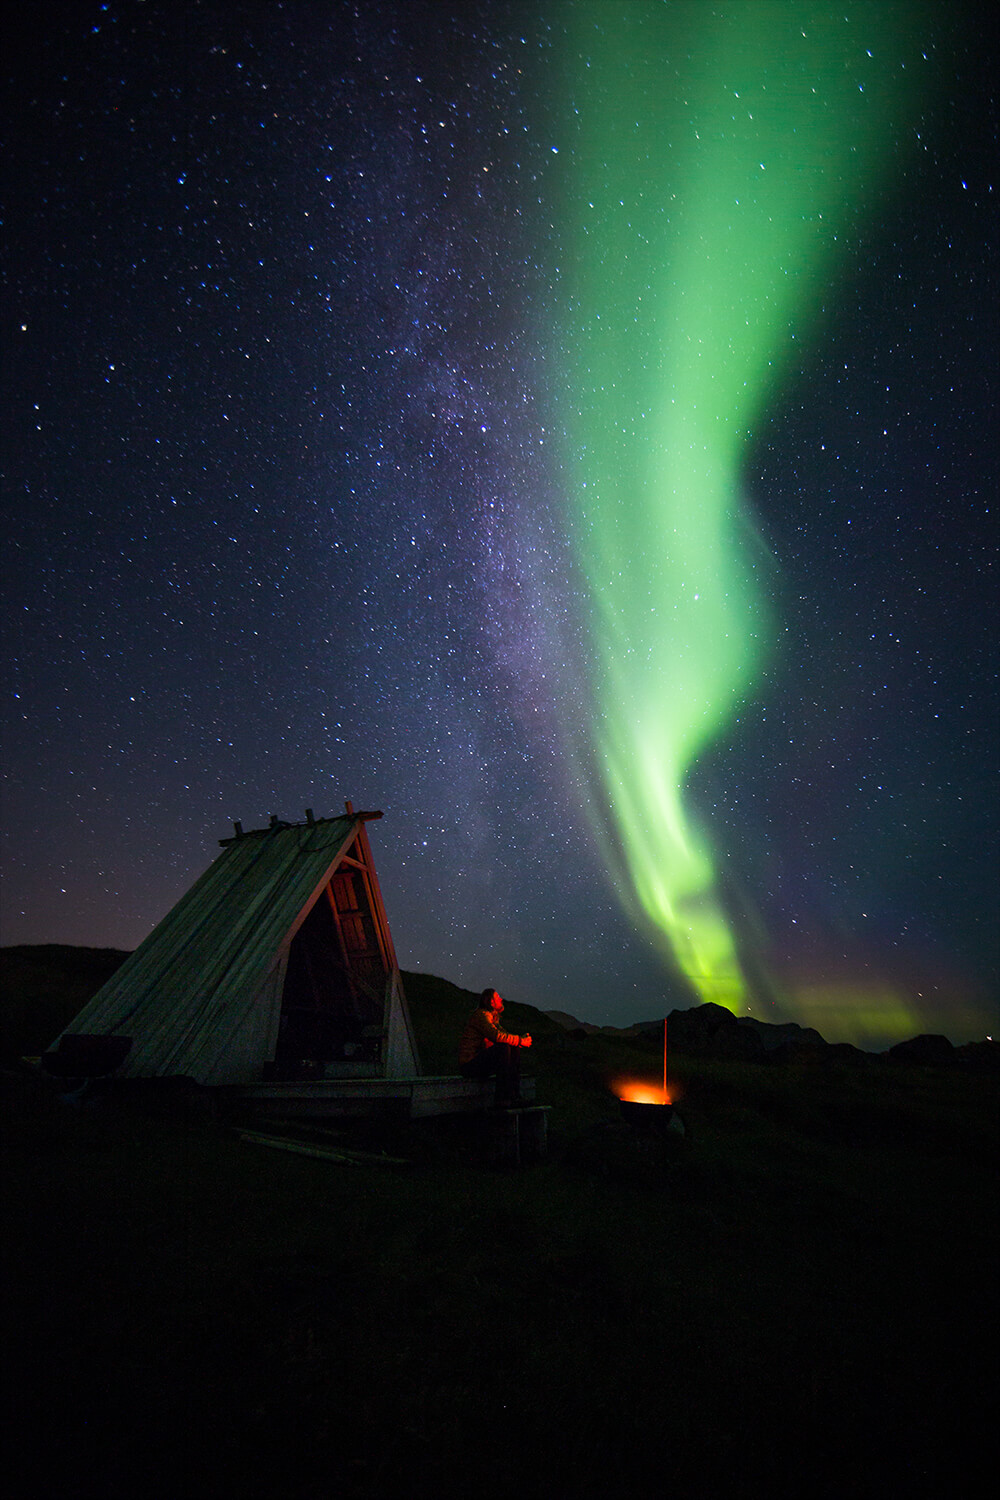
798	1298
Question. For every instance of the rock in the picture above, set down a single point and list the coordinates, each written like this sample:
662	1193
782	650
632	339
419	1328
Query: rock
979	1055
927	1050
570	1023
797	1049
695	1031
777	1035
737	1044
844	1052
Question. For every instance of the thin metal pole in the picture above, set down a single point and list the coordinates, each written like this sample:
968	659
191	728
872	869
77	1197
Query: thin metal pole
664	1059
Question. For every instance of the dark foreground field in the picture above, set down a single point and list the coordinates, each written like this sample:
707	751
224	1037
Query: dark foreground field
797	1299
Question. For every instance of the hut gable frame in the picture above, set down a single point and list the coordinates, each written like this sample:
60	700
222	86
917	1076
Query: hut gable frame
260	972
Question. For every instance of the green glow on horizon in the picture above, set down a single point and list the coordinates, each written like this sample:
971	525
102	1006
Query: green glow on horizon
721	151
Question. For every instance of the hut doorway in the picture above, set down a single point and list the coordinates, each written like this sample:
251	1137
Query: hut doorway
333	1001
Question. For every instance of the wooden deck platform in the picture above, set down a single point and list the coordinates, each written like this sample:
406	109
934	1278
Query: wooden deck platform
328	1097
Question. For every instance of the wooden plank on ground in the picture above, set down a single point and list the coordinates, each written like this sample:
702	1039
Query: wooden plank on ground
324	1153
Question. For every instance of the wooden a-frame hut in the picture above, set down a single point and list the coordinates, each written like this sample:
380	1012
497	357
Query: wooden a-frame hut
276	967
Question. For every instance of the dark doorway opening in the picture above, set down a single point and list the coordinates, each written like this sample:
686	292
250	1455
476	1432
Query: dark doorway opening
333	1002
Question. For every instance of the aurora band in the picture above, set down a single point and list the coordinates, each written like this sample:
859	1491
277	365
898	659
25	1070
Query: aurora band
719	153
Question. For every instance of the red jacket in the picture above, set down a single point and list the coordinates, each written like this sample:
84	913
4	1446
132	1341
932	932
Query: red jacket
481	1031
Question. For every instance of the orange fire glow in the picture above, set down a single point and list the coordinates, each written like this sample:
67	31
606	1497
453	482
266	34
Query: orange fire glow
637	1092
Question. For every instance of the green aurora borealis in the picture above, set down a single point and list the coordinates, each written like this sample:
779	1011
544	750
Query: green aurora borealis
721	152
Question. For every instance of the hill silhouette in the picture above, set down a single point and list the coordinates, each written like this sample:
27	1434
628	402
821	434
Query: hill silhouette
42	988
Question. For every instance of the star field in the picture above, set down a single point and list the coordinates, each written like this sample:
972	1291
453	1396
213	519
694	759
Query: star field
285	488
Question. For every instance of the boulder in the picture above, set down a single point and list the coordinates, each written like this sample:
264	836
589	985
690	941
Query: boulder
777	1035
927	1051
694	1031
713	1031
737	1044
980	1055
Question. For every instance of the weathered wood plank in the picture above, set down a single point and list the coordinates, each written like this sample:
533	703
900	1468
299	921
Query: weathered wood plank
324	1153
328	1097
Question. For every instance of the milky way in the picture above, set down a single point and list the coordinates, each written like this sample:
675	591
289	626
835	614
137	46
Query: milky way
288	359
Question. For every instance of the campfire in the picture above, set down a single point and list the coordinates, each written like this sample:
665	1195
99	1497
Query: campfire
644	1106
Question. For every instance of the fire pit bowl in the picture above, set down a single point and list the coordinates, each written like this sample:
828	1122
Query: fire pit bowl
649	1119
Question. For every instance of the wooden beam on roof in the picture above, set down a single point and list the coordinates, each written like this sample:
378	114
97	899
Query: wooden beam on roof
375	899
366	817
348	859
345	957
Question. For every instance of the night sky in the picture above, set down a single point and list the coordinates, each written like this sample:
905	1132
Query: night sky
290	330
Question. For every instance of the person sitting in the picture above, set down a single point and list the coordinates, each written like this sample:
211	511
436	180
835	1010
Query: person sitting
485	1051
